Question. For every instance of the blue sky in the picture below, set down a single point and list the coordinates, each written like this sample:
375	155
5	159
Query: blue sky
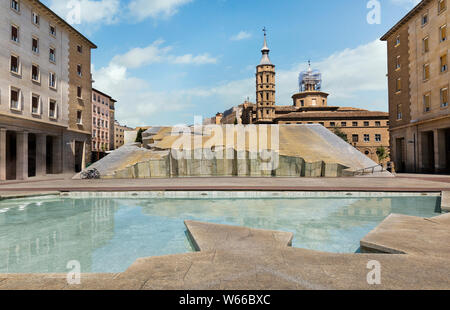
168	60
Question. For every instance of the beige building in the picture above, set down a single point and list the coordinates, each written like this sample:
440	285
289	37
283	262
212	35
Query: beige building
365	130
418	81
45	91
119	134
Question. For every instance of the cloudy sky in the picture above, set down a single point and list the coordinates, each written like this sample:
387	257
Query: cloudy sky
168	60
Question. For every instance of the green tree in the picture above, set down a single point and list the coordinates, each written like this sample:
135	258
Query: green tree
139	136
340	134
382	153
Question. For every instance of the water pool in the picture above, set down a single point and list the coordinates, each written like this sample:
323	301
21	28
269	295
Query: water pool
107	234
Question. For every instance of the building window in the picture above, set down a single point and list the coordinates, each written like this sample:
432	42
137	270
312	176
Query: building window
332	124
35	73
397	41
344	124
397	63
52	80
425	45
52	109
314	102
355	138
95	98
79	49
15	64
355	124
377	138
426	72
79	70
424	19
427	102
321	123
35	45
444	97
15	5
35	104
366	124
302	103
14	99
399	111
79	118
443	62
79	92
442	6
398	85
443	33
35	18
378	124
52	54
366	138
52	30
15	33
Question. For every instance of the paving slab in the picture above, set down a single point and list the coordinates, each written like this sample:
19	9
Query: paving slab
207	237
26	194
445	201
402	234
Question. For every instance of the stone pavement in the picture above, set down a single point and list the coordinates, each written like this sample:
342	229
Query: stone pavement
369	184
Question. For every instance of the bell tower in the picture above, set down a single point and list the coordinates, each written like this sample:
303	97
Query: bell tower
265	87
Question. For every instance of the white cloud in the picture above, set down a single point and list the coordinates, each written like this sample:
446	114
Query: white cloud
241	36
103	11
190	59
353	77
143	9
157	53
346	75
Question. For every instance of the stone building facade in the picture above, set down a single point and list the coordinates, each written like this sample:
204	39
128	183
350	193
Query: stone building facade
102	123
41	117
418	82
119	134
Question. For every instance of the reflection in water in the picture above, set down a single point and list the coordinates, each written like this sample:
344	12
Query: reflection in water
38	237
108	235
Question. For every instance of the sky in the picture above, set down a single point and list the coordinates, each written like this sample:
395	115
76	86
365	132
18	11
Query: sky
166	61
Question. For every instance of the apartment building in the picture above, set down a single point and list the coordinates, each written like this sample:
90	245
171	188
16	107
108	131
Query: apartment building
45	86
102	123
418	81
119	134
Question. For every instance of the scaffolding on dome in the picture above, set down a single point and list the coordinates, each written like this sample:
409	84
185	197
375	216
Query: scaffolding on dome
310	80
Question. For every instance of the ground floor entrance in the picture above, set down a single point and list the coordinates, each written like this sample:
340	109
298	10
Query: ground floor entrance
25	154
422	148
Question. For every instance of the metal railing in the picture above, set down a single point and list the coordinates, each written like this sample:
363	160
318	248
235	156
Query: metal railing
370	170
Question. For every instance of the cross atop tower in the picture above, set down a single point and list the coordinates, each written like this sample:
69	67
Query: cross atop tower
265	31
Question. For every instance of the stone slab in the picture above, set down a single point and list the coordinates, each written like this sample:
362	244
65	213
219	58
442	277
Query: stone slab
206	237
402	234
445	201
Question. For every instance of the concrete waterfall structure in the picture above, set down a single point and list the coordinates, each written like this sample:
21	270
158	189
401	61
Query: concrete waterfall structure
299	151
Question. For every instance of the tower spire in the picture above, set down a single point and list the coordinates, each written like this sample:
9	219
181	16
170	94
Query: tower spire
265	60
